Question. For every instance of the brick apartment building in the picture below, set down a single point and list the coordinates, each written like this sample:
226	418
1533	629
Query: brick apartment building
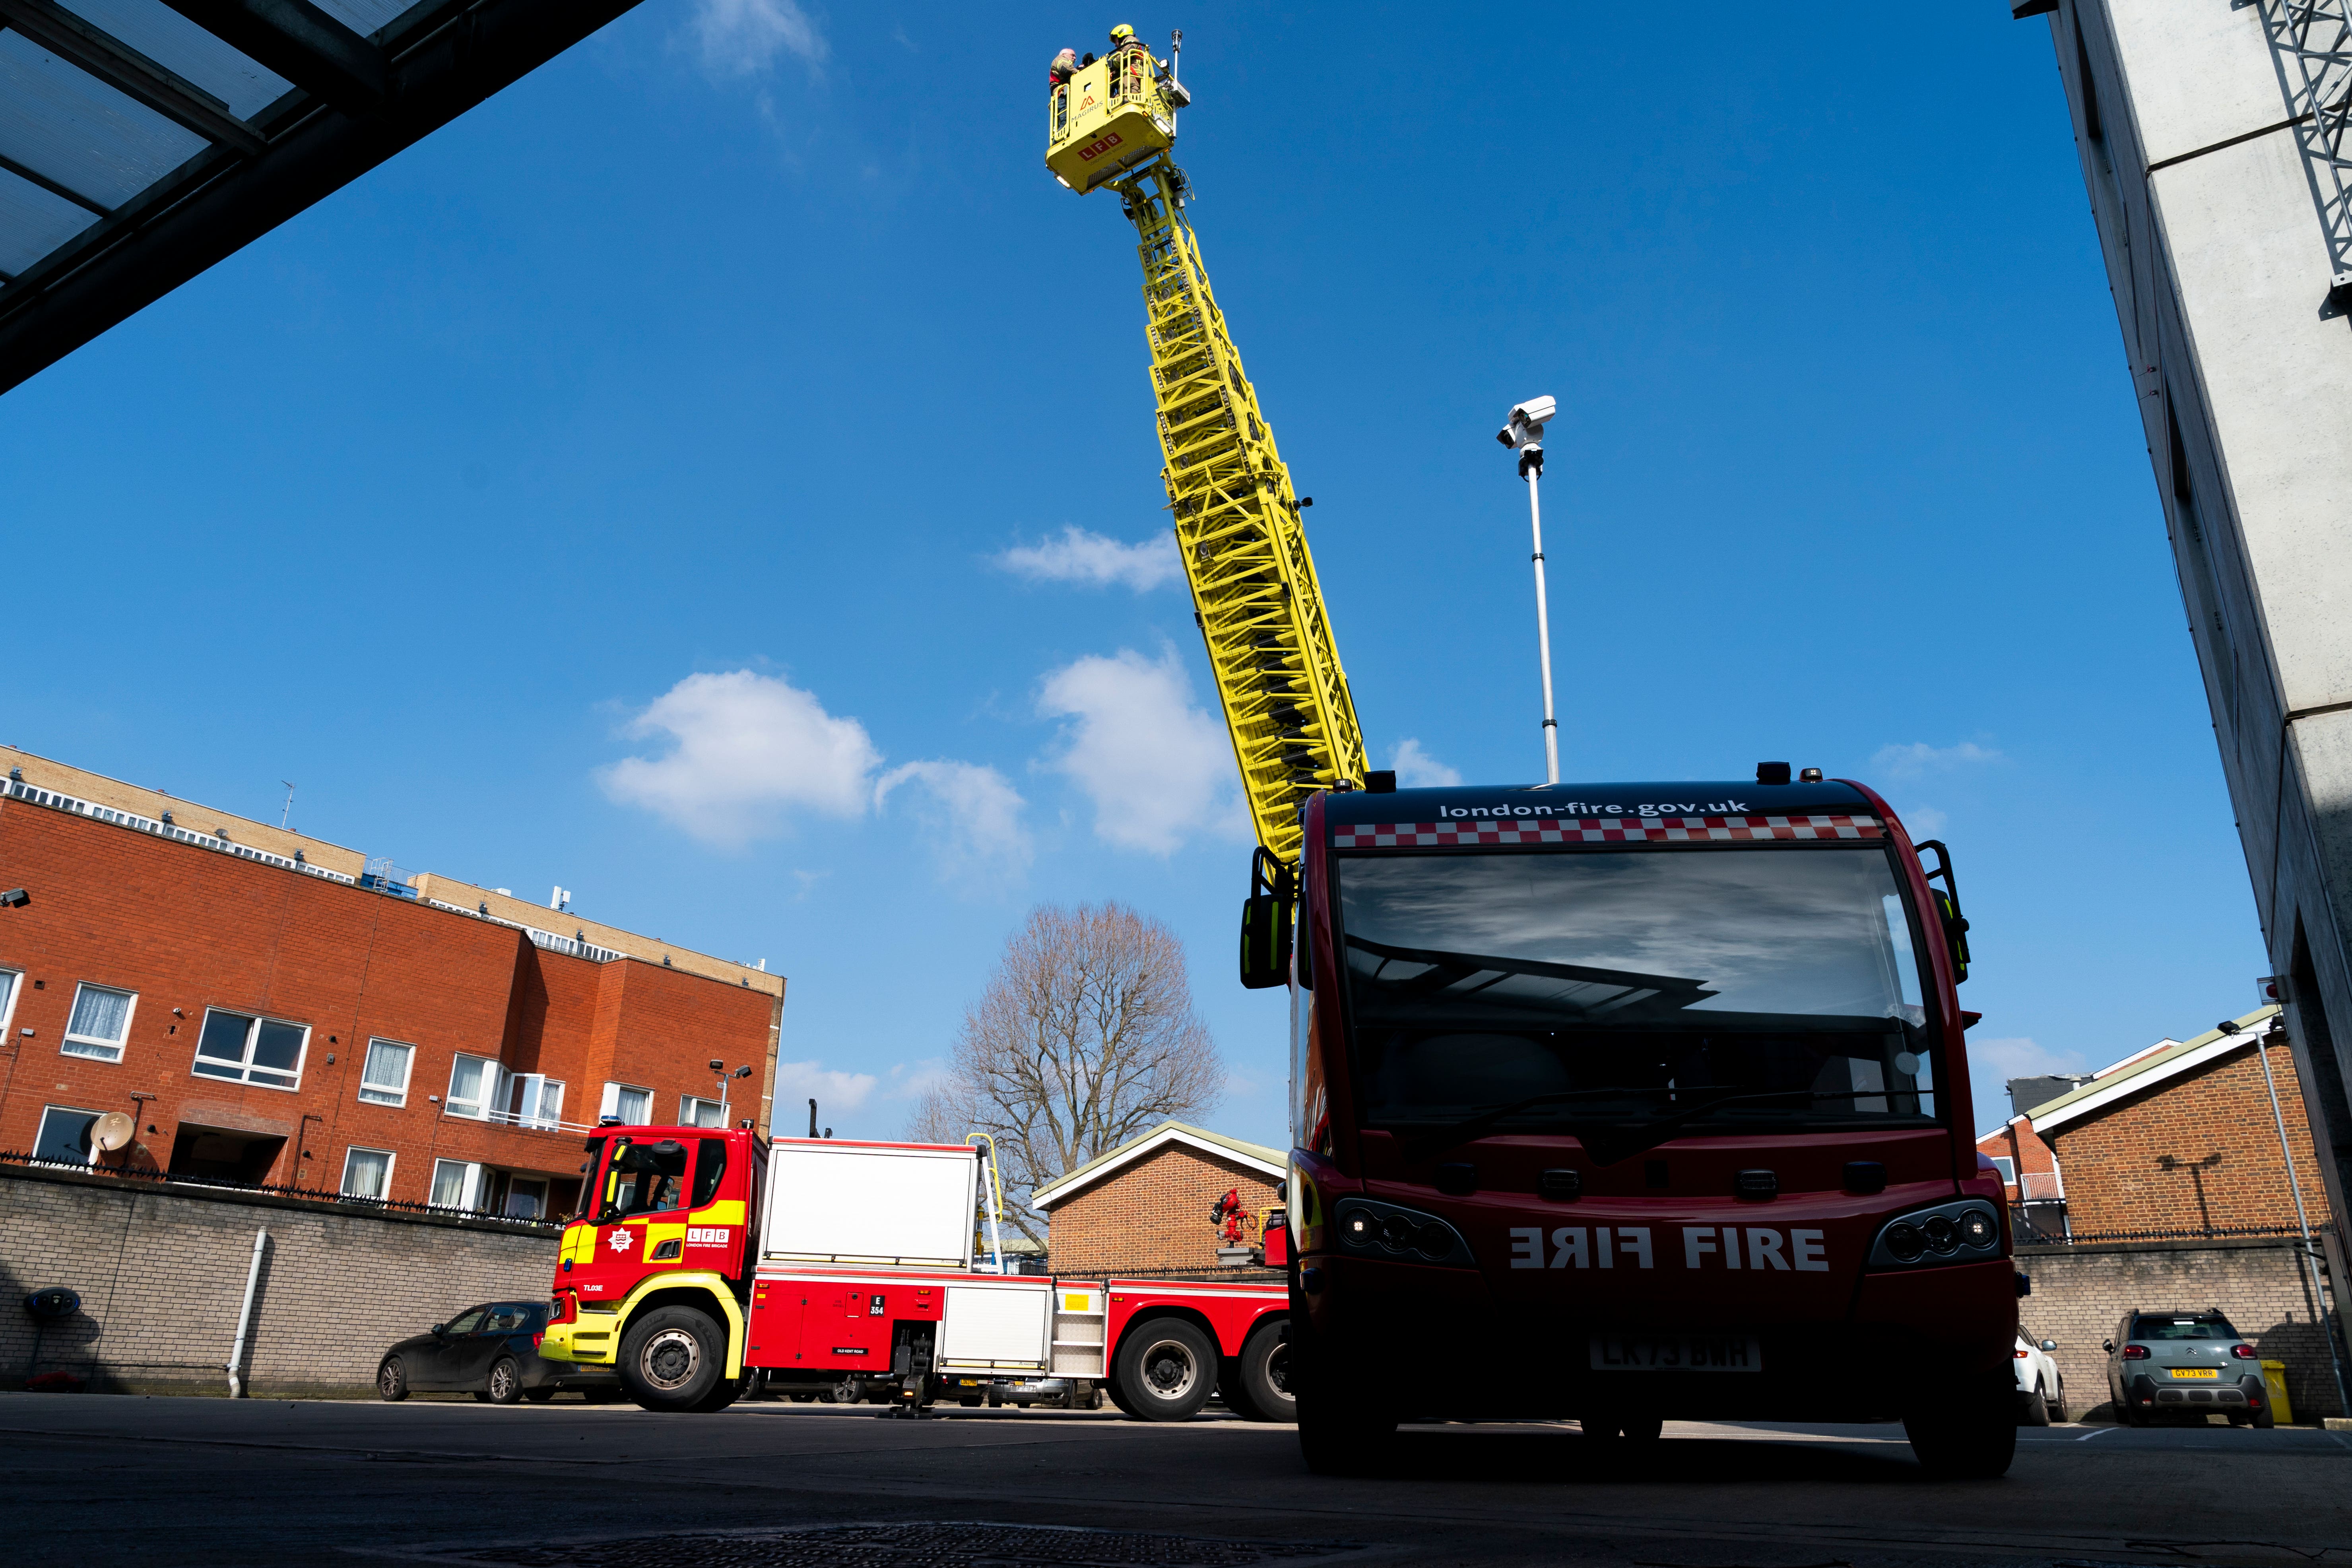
2030	1176
1143	1207
269	1010
2182	1138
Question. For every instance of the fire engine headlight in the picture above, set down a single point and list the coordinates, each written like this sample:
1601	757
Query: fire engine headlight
1964	1232
1367	1227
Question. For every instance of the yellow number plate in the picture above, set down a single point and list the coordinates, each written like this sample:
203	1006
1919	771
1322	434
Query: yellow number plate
2194	1372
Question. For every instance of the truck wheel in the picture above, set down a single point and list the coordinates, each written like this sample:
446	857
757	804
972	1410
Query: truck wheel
2037	1405
505	1385
672	1358
1261	1380
391	1380
1966	1431
1167	1370
726	1393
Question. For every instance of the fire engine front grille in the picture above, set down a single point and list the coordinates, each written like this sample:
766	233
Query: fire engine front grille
899	1546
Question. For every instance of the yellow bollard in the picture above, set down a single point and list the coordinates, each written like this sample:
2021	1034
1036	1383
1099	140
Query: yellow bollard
2274	1379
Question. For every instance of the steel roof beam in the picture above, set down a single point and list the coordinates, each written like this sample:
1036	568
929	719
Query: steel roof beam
442	62
66	192
120	65
300	42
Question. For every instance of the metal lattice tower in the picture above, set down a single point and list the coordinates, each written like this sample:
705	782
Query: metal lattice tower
2312	40
1254	593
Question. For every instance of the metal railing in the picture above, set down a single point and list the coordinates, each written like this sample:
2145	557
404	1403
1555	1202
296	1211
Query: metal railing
546	939
2204	1233
2040	1186
154	1179
216	841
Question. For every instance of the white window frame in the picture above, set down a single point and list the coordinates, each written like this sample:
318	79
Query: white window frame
384	1094
69	1110
611	1105
471	1185
252	1036
686	1104
2008	1169
529	1098
15	980
95	1049
494	1088
391	1159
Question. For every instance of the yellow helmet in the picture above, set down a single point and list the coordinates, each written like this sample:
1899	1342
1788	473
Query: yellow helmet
1122	33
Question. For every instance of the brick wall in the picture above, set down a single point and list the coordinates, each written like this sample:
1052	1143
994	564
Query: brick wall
2081	1293
1152	1215
2199	1151
162	1273
185	930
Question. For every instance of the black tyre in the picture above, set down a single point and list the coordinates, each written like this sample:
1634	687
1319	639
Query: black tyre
725	1394
673	1358
504	1385
541	1394
1167	1370
391	1380
2037	1406
1342	1431
1260	1384
2058	1400
2264	1418
1966	1431
600	1393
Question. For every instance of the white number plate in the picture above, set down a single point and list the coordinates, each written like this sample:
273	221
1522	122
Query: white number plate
1676	1352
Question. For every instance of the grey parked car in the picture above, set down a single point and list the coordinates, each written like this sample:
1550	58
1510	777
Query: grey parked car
2185	1363
492	1352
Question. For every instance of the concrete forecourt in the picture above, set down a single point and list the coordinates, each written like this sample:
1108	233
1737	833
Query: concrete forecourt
433	1481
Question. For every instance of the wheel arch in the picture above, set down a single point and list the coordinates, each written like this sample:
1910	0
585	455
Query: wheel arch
707	1293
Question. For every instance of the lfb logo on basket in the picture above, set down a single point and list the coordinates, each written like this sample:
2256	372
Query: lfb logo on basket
705	1235
1754	1248
622	1241
1094	149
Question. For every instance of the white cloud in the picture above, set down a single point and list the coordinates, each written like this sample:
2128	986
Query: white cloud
916	1081
2023	1057
971	813
1919	758
1079	556
1156	768
748	751
835	1092
1921	821
743	38
1416	769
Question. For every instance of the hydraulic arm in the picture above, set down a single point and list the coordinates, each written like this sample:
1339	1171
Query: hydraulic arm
1255	594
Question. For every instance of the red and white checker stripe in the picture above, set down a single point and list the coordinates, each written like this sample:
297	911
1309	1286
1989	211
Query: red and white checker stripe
1603	830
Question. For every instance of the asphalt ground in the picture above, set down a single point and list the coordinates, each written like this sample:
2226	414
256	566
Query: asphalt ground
769	1485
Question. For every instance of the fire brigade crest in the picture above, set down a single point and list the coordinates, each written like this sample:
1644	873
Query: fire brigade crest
621	1240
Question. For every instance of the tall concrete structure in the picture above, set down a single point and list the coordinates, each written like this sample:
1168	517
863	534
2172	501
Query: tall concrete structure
2213	141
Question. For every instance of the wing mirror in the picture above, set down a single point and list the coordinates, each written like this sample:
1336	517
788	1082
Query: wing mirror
440	1331
2108	1346
1265	924
1947	907
2050	1344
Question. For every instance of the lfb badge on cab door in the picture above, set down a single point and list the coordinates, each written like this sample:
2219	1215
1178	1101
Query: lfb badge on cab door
622	1241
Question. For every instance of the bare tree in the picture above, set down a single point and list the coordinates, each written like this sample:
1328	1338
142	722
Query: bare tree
1085	1038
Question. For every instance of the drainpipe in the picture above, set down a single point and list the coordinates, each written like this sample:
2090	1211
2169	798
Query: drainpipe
2302	1220
244	1317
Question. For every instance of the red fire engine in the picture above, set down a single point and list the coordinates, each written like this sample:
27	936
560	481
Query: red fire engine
712	1261
1656	1092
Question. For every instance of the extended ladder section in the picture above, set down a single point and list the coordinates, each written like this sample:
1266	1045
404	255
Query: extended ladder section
1286	699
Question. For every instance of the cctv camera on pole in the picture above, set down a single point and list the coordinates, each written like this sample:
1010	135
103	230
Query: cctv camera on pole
1524	436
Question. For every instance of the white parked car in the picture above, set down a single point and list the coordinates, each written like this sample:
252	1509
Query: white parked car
2041	1392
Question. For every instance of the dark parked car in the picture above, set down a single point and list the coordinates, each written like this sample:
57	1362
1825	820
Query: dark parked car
490	1352
2185	1363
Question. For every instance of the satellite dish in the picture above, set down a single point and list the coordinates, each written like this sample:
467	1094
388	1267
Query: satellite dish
112	1131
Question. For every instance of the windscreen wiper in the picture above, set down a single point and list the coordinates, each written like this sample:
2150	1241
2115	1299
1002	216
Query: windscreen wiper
1485	1121
1627	1141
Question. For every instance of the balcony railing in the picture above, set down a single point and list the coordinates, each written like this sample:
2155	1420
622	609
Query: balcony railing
2040	1186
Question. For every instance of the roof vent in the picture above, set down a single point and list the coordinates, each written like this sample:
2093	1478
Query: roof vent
1380	781
1771	773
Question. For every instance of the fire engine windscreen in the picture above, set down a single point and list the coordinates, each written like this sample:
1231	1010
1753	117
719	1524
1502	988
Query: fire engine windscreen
1630	985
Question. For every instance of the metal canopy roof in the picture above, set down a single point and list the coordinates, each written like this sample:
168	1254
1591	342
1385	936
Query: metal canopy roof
141	140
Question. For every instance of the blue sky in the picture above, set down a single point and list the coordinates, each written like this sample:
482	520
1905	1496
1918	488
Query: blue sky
660	482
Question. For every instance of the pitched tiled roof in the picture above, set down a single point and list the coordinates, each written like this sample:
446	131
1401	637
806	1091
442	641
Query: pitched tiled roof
1067	1185
2149	1068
